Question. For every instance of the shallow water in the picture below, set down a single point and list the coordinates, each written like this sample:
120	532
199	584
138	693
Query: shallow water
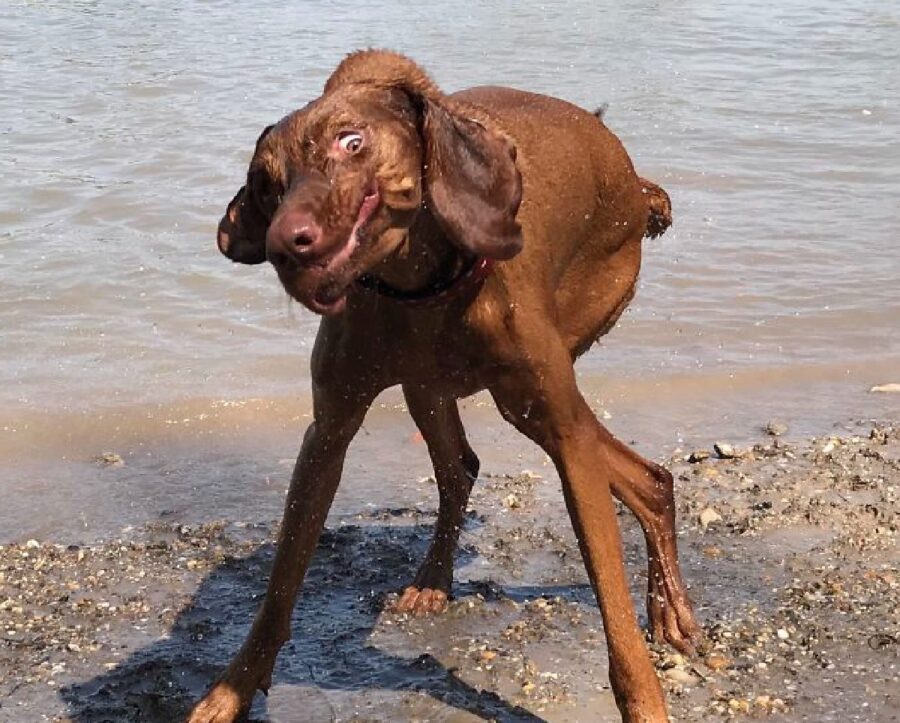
126	128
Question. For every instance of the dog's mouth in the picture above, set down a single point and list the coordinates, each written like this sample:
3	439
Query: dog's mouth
329	299
335	274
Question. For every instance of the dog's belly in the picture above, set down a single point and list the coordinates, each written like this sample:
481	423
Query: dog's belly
594	294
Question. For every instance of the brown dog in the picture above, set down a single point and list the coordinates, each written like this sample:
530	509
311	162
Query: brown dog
454	243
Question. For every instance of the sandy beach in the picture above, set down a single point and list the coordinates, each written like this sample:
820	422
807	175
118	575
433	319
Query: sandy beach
789	547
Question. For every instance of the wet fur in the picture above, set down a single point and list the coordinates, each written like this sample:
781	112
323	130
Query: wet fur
547	190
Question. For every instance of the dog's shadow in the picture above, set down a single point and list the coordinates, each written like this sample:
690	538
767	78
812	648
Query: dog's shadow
353	571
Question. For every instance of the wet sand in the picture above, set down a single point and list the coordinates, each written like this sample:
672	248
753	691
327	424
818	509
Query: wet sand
790	549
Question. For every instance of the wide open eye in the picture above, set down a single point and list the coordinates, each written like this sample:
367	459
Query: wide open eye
350	142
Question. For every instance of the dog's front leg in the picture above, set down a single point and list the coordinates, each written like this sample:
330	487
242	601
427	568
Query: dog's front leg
338	415
455	470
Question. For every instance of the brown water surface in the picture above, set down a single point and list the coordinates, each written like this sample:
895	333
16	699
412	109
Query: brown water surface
126	128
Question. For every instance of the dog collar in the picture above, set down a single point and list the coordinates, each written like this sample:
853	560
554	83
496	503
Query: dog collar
471	277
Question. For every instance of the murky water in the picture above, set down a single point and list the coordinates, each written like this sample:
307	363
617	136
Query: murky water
126	127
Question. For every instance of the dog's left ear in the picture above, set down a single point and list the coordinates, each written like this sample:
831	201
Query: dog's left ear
472	184
242	231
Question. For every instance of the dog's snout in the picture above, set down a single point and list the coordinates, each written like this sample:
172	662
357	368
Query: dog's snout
294	237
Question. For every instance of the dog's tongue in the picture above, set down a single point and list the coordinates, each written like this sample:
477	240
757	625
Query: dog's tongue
366	209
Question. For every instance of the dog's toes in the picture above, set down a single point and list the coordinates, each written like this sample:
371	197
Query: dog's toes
438	601
225	702
406	601
689	632
684	644
222	704
677	626
421	601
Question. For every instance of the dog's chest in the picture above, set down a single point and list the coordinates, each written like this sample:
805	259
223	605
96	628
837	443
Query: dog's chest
433	349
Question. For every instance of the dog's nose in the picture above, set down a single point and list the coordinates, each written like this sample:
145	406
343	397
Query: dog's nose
305	237
294	237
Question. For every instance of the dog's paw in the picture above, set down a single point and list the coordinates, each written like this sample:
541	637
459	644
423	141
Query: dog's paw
222	704
421	601
673	622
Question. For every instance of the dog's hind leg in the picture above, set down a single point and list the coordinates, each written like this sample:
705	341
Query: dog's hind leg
535	390
455	469
646	489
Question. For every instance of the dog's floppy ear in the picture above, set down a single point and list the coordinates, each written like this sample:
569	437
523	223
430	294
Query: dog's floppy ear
242	230
472	184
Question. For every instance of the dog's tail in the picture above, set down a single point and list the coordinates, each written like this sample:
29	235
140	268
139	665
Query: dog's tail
660	216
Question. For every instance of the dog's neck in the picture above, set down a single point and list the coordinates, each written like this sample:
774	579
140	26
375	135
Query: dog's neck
424	260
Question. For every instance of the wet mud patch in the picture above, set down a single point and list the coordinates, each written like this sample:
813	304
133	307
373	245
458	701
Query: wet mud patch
790	551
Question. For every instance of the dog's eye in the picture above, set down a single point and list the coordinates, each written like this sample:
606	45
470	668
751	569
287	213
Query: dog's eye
350	142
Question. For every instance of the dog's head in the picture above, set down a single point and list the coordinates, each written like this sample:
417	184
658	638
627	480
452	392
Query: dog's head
333	188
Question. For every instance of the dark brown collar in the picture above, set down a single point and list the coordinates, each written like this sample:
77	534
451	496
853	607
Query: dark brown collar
471	276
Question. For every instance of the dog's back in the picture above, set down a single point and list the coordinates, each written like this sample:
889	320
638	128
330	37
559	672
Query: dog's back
584	210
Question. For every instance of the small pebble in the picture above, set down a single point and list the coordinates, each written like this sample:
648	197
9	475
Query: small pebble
886	388
512	502
717	661
697	456
110	459
782	634
675	660
724	450
709	517
679	675
775	428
